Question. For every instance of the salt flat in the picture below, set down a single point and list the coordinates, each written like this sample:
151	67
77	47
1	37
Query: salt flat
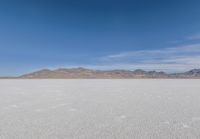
100	109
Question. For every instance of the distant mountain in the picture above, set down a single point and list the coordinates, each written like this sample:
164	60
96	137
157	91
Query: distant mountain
194	73
82	73
88	73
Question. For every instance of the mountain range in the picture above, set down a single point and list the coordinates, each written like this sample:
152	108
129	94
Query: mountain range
83	73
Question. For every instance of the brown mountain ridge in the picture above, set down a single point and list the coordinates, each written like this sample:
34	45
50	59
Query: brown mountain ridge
83	73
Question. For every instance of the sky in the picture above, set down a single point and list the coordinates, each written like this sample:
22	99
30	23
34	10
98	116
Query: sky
162	35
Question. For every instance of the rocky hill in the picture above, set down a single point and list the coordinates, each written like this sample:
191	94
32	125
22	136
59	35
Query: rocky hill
82	73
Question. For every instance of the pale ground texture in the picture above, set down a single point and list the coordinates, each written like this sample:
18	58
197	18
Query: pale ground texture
100	109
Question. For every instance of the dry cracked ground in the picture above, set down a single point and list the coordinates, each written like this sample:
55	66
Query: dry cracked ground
100	109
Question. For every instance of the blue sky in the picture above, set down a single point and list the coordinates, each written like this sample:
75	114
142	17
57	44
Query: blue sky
100	34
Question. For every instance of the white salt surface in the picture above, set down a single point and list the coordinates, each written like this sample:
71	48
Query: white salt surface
100	109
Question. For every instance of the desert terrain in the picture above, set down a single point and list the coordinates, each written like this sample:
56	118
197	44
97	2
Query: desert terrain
100	109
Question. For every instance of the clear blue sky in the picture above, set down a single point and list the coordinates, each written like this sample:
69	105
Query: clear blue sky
103	34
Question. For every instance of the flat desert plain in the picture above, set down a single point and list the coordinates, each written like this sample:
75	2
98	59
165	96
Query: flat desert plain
100	109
